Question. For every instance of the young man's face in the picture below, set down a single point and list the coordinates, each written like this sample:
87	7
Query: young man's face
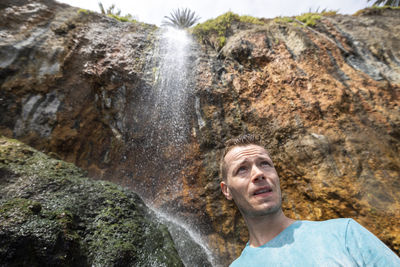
252	181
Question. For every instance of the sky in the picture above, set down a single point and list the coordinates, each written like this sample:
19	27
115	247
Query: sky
153	11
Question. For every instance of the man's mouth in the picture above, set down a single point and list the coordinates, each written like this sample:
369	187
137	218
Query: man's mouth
262	191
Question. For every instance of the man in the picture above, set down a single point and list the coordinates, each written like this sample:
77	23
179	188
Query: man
251	181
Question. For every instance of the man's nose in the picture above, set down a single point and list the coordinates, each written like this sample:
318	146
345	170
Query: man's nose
257	174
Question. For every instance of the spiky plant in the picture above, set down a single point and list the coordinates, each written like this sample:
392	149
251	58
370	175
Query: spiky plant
112	10
386	2
102	8
115	13
181	18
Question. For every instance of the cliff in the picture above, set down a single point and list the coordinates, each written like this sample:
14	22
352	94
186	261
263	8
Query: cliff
326	101
325	98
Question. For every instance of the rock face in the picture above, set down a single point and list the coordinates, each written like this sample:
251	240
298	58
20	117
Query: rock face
324	99
326	102
53	216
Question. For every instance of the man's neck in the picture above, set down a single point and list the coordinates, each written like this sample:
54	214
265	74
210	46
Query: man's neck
265	228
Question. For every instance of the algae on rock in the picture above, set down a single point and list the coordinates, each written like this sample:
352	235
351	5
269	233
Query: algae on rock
53	216
221	27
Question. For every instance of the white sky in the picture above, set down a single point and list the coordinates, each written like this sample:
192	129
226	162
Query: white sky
153	11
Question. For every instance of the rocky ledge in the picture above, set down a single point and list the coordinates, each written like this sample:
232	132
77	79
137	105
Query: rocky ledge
51	215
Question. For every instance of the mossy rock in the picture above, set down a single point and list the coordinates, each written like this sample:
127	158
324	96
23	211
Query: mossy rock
375	10
53	216
306	19
220	28
309	19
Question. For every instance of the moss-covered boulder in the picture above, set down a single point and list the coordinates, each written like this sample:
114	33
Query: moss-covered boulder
51	215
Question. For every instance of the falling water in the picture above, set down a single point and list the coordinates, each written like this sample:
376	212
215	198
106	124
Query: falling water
172	78
166	112
188	243
167	109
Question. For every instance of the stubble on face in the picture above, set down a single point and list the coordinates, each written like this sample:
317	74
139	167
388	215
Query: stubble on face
242	184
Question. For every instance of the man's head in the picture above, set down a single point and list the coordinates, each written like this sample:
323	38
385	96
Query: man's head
249	177
242	140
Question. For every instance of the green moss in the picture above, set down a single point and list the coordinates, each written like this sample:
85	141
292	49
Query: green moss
250	19
64	217
84	222
23	160
222	41
309	19
115	235
16	206
127	18
83	11
284	20
329	13
220	27
374	10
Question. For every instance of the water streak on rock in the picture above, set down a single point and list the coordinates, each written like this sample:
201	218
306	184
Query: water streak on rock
169	105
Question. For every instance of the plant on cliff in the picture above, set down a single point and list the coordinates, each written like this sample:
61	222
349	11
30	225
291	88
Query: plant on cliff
324	12
309	19
375	10
220	27
394	3
83	11
284	19
110	10
115	13
181	19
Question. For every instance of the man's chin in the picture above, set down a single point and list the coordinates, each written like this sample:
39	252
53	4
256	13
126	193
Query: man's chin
263	211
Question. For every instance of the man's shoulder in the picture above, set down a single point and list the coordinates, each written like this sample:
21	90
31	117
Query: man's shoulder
332	223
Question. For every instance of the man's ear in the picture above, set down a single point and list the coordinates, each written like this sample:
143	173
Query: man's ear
225	190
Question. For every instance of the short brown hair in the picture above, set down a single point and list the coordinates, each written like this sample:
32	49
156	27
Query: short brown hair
242	140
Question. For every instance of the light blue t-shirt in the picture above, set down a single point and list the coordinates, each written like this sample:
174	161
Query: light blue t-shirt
337	242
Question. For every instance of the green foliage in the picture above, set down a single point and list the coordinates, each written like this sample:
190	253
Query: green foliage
284	20
115	13
126	18
181	19
375	10
102	8
83	11
329	13
309	19
110	10
392	3
250	19
324	12
220	26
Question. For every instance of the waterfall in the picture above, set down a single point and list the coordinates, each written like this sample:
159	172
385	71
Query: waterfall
189	244
167	109
172	89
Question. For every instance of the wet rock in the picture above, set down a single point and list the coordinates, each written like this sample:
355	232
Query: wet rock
53	216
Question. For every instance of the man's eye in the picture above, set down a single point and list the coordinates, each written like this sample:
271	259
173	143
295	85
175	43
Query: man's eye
265	164
241	169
